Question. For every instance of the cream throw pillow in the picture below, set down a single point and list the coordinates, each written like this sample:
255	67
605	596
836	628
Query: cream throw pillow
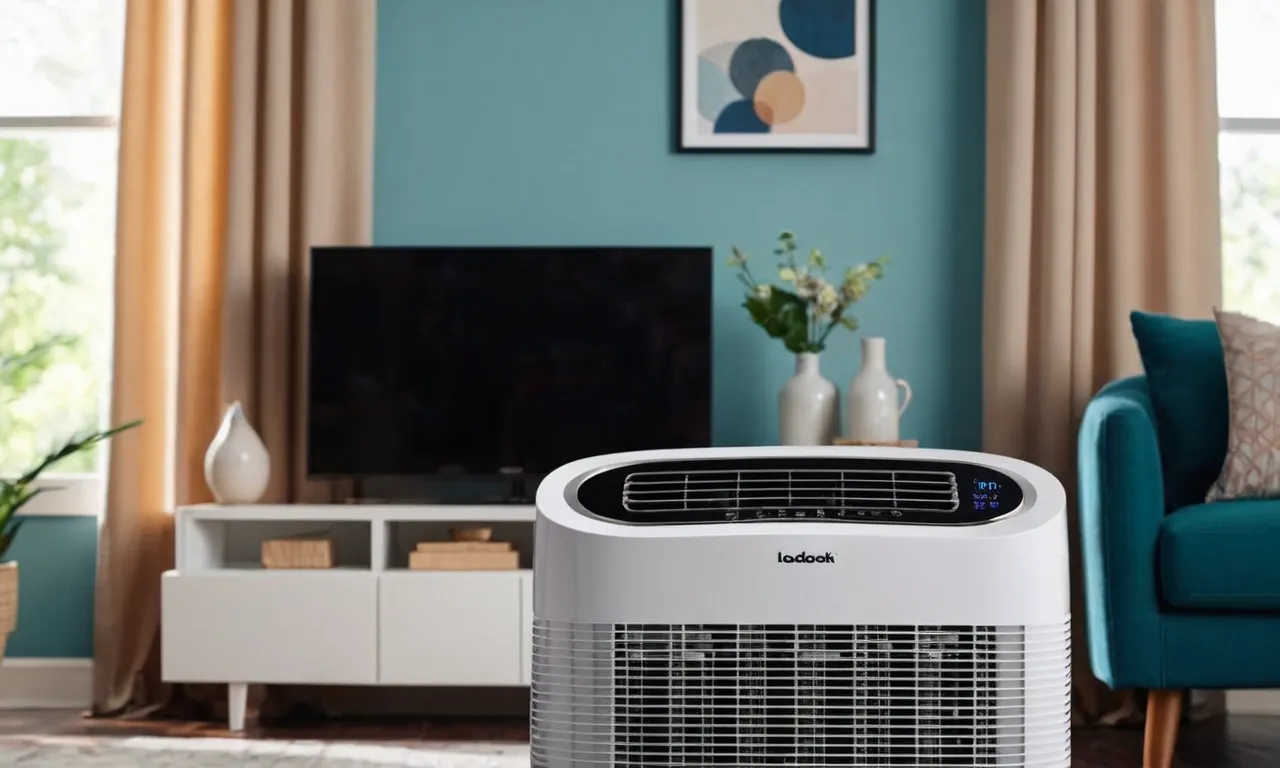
1252	356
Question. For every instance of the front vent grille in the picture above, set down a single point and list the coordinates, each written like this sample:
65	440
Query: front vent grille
647	695
747	494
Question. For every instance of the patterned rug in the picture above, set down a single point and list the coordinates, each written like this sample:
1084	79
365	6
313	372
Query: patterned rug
128	752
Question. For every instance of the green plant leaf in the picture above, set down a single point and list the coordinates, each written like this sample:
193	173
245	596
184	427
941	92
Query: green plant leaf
74	446
783	315
8	505
14	494
7	537
12	498
21	502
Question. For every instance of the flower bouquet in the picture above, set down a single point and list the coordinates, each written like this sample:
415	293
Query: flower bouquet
805	308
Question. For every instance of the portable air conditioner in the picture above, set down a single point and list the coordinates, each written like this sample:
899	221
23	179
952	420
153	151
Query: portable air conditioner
801	606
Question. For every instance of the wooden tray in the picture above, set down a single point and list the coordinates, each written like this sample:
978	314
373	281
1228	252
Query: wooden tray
464	561
297	553
892	444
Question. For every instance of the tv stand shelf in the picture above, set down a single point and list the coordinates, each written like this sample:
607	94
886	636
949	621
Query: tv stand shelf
367	621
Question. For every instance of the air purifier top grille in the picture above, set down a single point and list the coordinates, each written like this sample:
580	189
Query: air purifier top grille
800	490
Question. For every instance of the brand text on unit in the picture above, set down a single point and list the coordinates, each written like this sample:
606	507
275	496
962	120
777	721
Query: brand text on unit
805	557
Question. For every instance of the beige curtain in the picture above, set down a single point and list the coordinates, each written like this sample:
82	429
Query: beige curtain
246	137
301	175
1102	197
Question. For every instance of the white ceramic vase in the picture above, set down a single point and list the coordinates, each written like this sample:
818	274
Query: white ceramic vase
808	406
237	466
874	409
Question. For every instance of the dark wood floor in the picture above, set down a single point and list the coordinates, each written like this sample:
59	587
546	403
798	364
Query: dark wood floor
1236	742
1228	742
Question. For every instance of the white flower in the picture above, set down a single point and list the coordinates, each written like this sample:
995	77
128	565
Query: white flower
828	293
828	299
764	291
807	286
788	274
855	283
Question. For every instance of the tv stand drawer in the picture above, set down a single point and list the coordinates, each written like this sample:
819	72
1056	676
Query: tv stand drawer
450	628
317	627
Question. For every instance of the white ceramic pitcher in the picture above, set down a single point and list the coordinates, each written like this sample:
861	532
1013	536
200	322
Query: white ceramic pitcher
874	410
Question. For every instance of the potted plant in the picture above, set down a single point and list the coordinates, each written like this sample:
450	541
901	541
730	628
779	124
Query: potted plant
24	369
14	495
802	310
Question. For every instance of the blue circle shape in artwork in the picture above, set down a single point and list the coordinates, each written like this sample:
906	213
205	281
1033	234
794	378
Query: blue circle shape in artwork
740	117
755	59
715	91
825	29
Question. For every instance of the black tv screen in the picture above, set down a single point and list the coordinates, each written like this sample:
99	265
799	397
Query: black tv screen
425	361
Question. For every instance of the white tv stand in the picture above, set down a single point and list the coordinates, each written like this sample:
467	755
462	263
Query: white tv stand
368	621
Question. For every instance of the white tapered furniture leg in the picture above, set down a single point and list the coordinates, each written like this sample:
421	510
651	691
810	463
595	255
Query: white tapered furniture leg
237	702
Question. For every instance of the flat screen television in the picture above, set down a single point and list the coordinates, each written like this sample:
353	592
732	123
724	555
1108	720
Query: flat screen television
479	361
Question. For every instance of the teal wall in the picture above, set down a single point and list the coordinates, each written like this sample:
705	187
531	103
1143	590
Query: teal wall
549	122
56	559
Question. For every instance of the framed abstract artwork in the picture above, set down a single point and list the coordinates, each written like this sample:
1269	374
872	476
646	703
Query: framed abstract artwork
776	75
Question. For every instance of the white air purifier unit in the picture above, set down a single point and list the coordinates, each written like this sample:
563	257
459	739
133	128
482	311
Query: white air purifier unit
801	606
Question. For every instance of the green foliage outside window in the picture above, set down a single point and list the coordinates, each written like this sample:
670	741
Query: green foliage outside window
48	386
1251	225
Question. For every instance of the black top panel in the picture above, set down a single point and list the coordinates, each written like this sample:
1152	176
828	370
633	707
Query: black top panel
800	490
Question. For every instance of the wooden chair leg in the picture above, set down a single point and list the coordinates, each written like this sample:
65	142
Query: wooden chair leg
1164	712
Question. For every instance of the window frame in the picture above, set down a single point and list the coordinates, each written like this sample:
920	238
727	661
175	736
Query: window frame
69	496
79	494
1252	125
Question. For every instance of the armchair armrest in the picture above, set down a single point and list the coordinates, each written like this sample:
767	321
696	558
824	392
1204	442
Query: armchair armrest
1121	508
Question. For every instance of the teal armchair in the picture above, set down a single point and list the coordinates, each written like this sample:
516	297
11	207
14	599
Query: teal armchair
1179	593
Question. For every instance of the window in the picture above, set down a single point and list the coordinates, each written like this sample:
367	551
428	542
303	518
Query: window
1249	154
60	73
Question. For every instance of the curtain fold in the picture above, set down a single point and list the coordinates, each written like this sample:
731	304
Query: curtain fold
168	310
1102	197
246	138
301	175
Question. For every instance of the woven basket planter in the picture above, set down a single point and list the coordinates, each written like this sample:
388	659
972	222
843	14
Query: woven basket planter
8	602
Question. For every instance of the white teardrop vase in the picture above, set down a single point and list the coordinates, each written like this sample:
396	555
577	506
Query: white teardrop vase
237	466
874	410
808	406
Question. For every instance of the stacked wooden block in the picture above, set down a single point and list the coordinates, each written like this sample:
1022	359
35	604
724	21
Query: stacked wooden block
470	550
297	553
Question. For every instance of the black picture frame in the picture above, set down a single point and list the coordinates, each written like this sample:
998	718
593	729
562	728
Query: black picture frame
683	121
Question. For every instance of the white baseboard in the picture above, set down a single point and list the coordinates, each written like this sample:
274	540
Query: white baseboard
46	683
